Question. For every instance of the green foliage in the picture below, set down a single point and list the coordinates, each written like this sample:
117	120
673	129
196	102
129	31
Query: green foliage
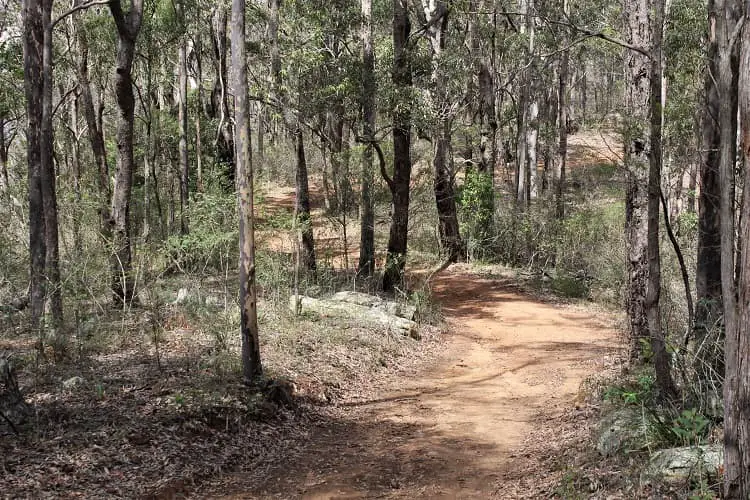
690	427
213	239
476	200
631	394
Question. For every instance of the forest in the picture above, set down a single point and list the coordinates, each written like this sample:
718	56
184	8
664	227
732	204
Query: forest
375	249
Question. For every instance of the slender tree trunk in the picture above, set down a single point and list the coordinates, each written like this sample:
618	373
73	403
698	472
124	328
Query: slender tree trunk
33	40
709	363
128	26
251	363
182	118
532	135
558	176
49	179
367	217
261	136
445	197
653	290
635	142
76	171
95	132
399	184
220	97
4	147
522	167
302	205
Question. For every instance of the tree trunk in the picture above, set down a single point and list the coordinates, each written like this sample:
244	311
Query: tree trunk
33	40
367	217
445	197
302	205
251	363
558	176
653	290
49	179
128	26
182	118
220	97
532	134
736	307
399	184
4	147
709	363
635	143
95	132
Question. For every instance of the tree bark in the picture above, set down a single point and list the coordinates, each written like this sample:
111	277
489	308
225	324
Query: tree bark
182	118
736	307
653	289
399	184
302	205
220	96
635	144
709	363
252	368
95	132
49	179
33	40
128	26
435	14
367	218
558	175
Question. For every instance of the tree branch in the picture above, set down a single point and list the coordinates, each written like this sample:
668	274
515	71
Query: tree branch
381	158
81	6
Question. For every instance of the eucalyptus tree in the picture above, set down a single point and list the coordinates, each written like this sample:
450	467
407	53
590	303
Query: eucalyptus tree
369	88
93	115
398	184
733	63
293	124
128	25
635	159
251	362
183	118
654	283
716	180
33	39
434	18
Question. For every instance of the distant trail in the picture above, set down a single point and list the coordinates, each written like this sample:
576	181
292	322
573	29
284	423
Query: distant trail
512	367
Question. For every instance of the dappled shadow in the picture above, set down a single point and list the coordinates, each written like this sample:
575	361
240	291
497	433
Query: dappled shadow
373	458
130	428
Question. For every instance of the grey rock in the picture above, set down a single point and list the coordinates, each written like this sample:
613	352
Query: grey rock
677	465
72	382
336	308
617	430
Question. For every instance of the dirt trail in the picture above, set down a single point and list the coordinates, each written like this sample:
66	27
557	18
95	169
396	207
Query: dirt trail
512	367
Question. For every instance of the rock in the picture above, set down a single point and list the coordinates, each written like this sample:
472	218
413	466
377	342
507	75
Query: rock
617	430
405	311
362	299
72	383
338	308
677	465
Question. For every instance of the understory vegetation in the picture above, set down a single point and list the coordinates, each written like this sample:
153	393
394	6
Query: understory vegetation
223	222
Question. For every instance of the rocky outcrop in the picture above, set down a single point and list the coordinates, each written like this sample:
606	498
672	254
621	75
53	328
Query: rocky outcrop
355	305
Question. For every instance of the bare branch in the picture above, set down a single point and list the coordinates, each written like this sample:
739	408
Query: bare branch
81	6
